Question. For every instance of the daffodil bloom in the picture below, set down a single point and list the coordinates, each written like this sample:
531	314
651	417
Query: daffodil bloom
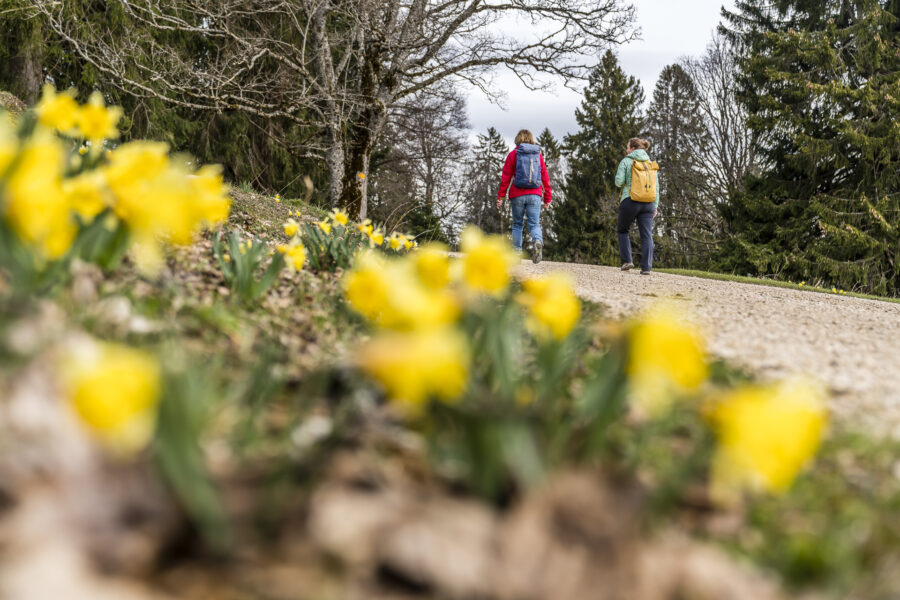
433	266
553	307
294	255
365	227
415	367
408	243
278	197
487	261
766	435
324	226
227	258
291	227
666	358
83	150
96	121
397	241
115	392
36	207
391	295
376	238
57	111
9	146
87	193
340	217
211	203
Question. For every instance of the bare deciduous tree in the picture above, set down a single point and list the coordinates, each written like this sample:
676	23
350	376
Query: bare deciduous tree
339	65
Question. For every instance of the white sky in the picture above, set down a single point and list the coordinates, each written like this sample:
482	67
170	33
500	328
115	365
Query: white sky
670	29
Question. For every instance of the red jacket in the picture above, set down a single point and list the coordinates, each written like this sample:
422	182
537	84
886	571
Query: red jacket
509	173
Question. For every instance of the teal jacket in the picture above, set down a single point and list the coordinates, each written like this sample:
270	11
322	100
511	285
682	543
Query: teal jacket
623	174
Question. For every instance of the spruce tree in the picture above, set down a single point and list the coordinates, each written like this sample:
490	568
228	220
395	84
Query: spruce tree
677	131
610	114
823	83
553	158
483	182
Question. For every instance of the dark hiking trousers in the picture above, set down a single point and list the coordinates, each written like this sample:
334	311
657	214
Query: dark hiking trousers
629	211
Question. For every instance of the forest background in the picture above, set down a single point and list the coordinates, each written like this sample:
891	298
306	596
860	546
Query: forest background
778	146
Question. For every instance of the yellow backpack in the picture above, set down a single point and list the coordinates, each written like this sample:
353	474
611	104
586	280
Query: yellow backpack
644	181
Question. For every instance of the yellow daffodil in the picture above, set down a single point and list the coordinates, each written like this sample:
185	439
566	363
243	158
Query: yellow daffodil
83	150
96	121
210	202
339	217
414	367
36	207
291	227
87	193
666	358
294	255
766	435
57	111
396	241
366	227
115	392
376	238
433	266
487	263
324	226
553	307
9	146
390	294
408	243
277	197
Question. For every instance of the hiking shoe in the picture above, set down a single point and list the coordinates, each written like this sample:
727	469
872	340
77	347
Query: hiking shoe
537	252
645	272
627	266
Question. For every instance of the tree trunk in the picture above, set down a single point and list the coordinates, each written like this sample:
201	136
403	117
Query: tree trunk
22	75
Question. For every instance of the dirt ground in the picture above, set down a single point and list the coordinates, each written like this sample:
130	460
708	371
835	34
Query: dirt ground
850	344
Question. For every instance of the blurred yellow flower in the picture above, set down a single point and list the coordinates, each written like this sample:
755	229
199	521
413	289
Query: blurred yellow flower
376	238
57	111
294	255
96	121
83	150
365	227
277	197
414	367
340	217
433	265
36	208
666	358
553	307
408	243
291	227
324	226
87	193
766	434
115	391
397	240
9	146
390	294
361	175
211	202
488	261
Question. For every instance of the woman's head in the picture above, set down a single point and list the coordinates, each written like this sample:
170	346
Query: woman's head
524	137
638	144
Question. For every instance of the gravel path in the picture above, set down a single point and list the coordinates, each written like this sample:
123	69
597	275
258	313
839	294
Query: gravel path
851	344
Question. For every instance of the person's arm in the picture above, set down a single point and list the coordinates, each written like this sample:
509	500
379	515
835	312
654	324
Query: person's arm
509	170
545	178
620	173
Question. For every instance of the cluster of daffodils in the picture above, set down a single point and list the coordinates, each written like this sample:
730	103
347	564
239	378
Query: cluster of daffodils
50	192
416	303
294	251
767	433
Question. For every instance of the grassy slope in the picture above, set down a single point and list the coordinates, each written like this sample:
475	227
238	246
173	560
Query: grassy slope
773	283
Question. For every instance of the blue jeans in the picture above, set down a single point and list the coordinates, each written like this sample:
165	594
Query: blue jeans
526	207
630	210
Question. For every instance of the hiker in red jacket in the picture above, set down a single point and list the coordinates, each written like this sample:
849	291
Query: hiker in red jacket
526	171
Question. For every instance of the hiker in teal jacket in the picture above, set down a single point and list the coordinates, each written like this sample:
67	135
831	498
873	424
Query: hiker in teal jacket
631	211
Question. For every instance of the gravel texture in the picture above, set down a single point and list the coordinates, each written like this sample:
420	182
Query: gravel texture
850	344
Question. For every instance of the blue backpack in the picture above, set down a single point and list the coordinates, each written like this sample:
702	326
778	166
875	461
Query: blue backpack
528	167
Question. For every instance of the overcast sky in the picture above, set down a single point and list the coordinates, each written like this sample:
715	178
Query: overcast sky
670	29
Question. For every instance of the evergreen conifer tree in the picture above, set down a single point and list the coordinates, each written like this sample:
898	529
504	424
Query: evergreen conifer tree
610	114
553	158
483	182
823	83
676	128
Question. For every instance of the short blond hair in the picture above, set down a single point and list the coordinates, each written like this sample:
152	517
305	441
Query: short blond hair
524	137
